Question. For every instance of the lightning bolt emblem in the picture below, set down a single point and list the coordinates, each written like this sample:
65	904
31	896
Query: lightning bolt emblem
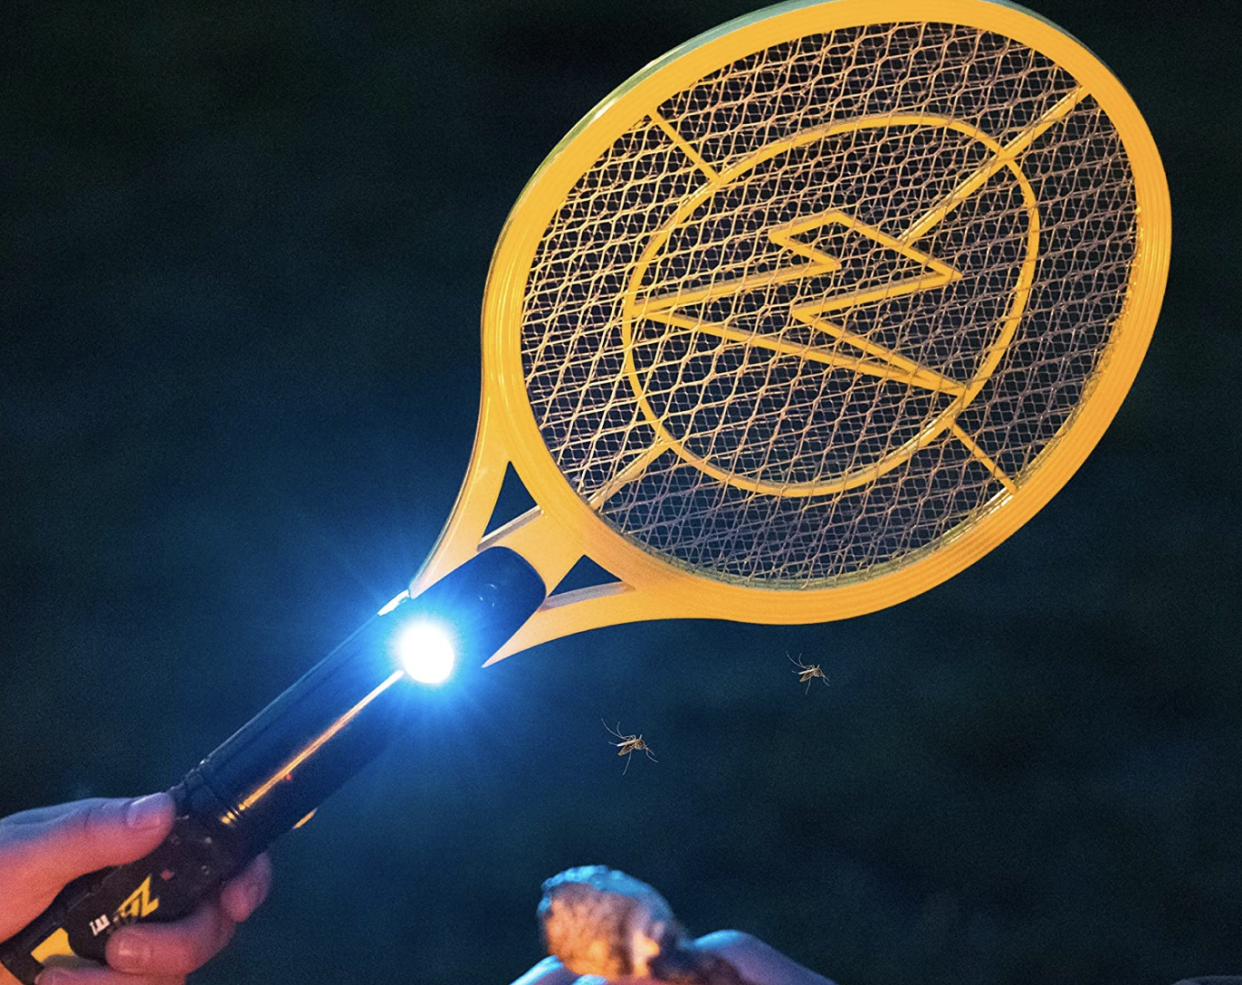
806	282
849	351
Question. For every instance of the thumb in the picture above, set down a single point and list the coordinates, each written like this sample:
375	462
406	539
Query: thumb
94	834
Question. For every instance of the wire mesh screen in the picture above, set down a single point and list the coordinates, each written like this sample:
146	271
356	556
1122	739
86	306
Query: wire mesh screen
830	305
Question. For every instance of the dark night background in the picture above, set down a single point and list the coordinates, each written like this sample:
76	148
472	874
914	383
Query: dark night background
243	255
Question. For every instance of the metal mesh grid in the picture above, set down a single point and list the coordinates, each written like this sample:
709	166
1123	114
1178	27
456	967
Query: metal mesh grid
803	321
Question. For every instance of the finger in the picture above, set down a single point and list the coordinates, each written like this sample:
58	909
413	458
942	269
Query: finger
39	814
756	961
549	971
103	976
244	894
85	836
171	948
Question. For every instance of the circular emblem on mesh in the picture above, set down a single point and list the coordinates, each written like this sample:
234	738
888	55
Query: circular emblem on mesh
804	354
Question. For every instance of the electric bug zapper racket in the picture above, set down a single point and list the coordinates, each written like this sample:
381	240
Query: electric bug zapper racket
800	321
812	313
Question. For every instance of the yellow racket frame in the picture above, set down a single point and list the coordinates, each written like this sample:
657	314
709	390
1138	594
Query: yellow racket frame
564	527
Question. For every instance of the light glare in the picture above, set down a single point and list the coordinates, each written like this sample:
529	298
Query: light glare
392	603
426	652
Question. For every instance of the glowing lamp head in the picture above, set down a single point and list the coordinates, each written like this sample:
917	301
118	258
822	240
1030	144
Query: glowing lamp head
425	652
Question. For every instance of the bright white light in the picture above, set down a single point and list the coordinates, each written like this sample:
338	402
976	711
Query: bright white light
426	652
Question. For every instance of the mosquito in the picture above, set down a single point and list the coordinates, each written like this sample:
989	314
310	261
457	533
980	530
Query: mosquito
807	673
628	745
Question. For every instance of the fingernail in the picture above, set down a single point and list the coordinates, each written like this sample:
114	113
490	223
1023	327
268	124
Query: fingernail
50	976
254	894
146	812
132	953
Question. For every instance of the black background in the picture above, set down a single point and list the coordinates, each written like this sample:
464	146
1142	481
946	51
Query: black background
243	252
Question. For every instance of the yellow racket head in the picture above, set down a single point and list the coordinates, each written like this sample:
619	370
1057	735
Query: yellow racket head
813	312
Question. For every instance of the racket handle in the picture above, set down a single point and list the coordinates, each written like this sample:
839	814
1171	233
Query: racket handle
279	767
195	859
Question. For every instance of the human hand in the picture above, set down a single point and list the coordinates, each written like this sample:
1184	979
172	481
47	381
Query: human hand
601	925
41	850
753	960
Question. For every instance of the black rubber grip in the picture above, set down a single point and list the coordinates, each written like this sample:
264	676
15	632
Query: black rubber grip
191	863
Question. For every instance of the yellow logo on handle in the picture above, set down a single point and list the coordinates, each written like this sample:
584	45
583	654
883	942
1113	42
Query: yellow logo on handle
139	904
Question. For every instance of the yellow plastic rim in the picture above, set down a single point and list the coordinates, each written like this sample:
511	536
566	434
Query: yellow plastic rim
568	527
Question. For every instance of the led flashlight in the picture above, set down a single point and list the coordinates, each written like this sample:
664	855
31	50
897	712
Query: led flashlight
286	760
424	649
